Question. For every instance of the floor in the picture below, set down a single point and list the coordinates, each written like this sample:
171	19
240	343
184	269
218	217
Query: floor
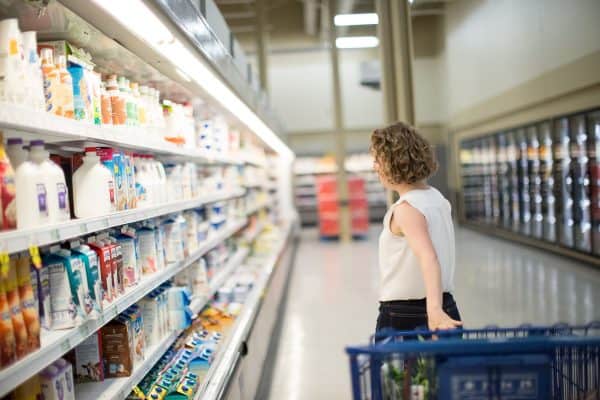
333	303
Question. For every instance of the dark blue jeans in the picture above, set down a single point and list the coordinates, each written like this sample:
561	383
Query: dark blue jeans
408	315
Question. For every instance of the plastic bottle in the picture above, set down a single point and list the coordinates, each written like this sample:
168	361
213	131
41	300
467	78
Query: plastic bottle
65	93
8	204
117	101
126	95
31	195
51	80
33	73
15	151
143	105
105	106
137	105
54	179
11	62
93	187
7	334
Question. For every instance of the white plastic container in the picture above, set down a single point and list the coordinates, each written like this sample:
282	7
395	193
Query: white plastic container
54	178
31	196
93	187
16	153
12	87
33	73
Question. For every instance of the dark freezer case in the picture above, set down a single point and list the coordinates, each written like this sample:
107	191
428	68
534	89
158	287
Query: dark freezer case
581	183
563	182
593	123
535	182
547	181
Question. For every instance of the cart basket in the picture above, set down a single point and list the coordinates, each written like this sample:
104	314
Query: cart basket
559	362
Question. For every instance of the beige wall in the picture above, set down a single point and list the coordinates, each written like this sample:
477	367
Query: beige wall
507	63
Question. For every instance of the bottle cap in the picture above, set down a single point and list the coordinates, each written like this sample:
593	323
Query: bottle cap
37	142
12	141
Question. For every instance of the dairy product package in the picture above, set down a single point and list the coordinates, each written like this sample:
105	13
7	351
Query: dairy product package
78	281
107	156
64	311
88	360
93	275
131	185
105	265
117	346
131	271
152	323
173	241
135	314
66	370
161	261
147	250
191	233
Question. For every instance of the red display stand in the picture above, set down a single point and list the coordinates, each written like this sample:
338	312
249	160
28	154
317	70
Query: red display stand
329	208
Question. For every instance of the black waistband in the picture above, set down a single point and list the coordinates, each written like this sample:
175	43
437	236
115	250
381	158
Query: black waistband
447	297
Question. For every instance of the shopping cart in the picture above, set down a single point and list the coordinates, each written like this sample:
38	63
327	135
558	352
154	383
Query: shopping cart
525	363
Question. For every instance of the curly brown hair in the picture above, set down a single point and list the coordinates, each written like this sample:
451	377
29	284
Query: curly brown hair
403	155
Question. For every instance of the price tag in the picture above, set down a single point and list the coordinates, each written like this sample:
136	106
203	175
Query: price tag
65	346
36	260
84	329
4	263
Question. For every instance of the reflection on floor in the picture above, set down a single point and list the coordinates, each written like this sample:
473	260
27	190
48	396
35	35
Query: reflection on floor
333	302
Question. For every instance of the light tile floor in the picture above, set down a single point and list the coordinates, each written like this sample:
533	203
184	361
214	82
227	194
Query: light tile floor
333	303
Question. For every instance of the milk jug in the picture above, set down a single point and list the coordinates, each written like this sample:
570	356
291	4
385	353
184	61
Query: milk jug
93	188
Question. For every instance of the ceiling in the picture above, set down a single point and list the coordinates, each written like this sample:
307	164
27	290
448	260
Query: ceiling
290	21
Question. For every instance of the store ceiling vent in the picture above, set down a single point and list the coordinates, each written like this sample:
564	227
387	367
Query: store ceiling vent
370	74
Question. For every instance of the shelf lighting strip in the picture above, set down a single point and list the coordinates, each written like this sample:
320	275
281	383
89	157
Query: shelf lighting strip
147	27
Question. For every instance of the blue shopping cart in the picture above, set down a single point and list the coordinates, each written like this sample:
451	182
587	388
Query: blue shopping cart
525	363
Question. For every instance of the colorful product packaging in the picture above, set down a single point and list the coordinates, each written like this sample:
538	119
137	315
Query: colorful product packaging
88	360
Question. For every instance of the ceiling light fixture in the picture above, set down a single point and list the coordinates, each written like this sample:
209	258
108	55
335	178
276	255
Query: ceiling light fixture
356	19
356	42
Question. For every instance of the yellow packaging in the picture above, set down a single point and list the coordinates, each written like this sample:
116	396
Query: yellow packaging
7	334
14	304
29	390
28	302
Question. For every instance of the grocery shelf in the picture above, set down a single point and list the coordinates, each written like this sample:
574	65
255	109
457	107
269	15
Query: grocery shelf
119	388
254	159
258	207
21	239
58	129
258	230
55	343
234	262
229	352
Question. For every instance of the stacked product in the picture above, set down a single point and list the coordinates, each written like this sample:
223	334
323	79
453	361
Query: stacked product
62	81
328	207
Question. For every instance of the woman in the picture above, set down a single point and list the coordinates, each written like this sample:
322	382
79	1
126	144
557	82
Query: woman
416	246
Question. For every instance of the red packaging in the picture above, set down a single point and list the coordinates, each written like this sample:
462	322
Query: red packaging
116	253
105	261
8	206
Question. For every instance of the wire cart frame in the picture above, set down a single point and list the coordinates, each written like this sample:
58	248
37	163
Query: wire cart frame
558	362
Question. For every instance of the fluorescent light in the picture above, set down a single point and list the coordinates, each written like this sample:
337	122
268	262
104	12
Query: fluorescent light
189	65
356	42
356	19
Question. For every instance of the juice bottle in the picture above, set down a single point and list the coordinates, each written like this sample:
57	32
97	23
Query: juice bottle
105	106
28	302
142	106
135	100
8	214
11	288
117	101
65	93
7	334
51	80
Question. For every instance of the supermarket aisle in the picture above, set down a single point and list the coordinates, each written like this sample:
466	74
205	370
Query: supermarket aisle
333	302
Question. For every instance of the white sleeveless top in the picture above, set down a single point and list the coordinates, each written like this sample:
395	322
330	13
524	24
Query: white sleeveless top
401	276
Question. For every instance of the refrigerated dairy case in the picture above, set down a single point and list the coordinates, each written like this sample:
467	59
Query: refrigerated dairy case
538	184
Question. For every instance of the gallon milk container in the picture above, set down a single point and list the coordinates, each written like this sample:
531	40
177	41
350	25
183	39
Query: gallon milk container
93	187
32	192
16	153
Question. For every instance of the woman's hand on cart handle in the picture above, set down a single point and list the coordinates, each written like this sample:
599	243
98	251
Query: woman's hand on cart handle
438	320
